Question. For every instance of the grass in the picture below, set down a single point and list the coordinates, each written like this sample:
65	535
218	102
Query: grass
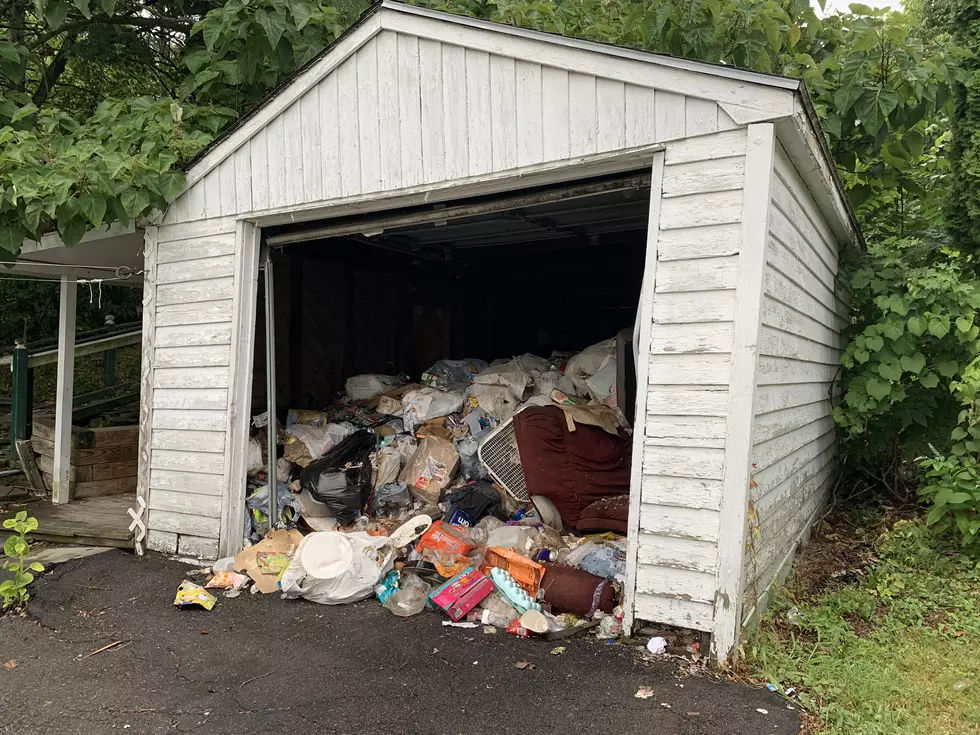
878	630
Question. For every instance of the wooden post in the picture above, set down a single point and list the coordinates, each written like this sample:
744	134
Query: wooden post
60	490
20	403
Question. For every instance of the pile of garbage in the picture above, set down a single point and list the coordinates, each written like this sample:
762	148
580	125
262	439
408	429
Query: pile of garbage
384	493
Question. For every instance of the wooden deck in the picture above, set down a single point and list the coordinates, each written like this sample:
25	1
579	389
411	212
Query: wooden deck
101	521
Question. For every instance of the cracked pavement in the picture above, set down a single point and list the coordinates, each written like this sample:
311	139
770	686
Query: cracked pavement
266	665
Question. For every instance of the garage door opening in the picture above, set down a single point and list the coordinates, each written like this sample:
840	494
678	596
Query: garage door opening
434	330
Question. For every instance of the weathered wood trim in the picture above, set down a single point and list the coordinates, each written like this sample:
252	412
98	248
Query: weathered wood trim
146	363
642	348
60	488
759	159
249	239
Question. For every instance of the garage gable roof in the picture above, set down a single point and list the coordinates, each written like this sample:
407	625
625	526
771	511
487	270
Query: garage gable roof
742	96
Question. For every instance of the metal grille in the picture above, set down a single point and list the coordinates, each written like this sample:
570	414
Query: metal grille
503	460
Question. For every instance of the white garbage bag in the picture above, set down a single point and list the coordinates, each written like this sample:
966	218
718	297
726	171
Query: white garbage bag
515	374
365	387
497	400
334	568
427	404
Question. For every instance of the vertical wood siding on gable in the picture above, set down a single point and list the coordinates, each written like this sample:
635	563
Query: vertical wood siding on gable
403	111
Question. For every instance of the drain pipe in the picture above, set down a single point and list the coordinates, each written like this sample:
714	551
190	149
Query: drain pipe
272	428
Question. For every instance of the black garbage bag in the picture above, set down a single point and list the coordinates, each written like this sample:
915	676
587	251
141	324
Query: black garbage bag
341	478
473	501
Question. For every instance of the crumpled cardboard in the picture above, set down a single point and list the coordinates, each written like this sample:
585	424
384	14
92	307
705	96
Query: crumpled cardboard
276	541
431	468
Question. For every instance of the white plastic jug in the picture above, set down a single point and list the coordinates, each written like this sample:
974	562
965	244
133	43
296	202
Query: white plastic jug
510	537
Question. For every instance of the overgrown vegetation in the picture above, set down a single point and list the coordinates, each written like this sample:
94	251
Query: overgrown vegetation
15	549
888	649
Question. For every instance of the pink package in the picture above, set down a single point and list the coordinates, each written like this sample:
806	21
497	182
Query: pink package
462	593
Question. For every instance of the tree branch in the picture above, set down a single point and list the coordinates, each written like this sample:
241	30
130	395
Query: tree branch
173	24
51	73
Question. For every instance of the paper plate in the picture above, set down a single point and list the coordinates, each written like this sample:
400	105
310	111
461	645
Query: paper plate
326	555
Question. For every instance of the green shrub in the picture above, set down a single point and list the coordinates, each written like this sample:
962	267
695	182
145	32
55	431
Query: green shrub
15	549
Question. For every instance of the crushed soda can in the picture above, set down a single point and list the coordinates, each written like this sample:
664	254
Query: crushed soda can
190	594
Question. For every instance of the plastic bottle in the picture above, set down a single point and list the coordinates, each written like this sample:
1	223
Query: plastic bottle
486	617
510	537
497	605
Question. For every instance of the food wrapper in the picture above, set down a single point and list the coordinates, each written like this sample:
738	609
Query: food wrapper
272	563
189	594
227	581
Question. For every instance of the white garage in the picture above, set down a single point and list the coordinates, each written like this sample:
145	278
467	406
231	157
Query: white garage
694	204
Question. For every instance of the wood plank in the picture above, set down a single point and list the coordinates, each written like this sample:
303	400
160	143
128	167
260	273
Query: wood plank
410	111
678	553
243	179
694	307
715	208
712	175
503	112
191	441
769	452
794	198
190	420
530	114
773	370
694	462
720	145
683	492
778	315
672	582
226	177
113	436
197	483
776	423
704	369
389	144
611	115
191	399
641	120
554	105
312	144
478	140
214	289
181	461
347	122
192	357
179	315
180	523
670	120
330	163
61	447
202	548
193	335
81	457
180	502
276	140
99	488
294	154
671	611
768	477
162	541
195	270
701	116
685	427
582	114
27	462
178	251
212	194
90	473
207	377
705	402
92	521
702	274
699	242
259	150
692	338
197	201
433	118
776	343
454	90
690	523
368	114
777	397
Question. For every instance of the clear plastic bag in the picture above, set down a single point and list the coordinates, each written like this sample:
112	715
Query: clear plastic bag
410	598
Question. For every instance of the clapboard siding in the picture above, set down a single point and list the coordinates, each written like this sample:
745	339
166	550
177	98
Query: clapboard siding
402	111
799	356
689	371
192	343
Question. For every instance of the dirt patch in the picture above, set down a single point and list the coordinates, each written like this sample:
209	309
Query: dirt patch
862	628
936	618
809	724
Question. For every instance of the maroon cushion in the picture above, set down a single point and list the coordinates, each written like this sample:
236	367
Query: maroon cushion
606	514
571	468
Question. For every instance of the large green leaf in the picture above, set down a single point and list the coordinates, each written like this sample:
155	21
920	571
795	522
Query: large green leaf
134	201
93	206
12	236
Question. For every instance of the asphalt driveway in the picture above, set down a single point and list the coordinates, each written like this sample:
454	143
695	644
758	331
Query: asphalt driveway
260	664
